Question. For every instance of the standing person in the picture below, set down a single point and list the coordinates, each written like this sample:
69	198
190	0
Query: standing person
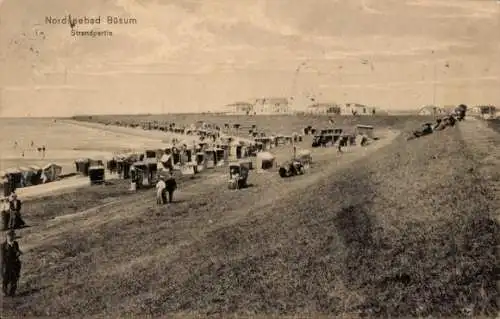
113	164
161	189
171	186
15	212
340	144
364	140
5	207
10	264
166	160
133	178
6	185
44	178
120	169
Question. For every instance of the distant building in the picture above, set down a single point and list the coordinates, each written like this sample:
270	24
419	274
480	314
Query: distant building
475	109
431	110
271	105
486	111
324	108
357	109
243	108
449	108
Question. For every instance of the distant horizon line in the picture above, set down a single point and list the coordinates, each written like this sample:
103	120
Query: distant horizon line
186	113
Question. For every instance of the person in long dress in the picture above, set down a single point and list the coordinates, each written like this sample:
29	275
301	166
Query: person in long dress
133	179
44	177
16	220
6	186
5	211
161	190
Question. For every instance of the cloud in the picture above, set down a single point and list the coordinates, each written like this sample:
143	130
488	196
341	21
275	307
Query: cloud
463	9
225	48
472	15
179	32
46	87
366	5
484	6
406	84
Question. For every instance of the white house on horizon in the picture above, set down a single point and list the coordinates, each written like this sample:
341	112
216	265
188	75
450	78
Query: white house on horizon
357	109
279	105
272	105
324	108
239	108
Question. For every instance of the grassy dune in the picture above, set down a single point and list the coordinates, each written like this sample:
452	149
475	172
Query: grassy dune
406	231
399	234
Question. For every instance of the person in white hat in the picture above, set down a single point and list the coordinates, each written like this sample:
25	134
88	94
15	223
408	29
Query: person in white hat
161	191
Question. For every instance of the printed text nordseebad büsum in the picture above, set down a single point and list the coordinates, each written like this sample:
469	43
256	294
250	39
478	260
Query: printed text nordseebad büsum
90	20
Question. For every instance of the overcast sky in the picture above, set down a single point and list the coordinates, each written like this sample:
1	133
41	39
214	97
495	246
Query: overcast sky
198	55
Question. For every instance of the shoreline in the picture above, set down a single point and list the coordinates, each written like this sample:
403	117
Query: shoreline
73	183
63	158
323	167
255	231
84	139
384	193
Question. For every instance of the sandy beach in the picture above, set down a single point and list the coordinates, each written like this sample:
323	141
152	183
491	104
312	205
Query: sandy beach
66	141
114	139
347	211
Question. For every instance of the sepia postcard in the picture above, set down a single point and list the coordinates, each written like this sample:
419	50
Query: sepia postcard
250	158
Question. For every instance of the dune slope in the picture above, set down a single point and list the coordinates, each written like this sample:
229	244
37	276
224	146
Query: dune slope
405	231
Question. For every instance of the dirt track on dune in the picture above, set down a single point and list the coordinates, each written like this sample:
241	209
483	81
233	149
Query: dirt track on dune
202	207
376	236
209	185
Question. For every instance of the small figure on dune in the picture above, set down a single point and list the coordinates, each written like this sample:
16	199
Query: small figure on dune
161	191
171	186
44	178
364	140
235	174
438	124
10	264
6	185
16	220
5	211
133	178
340	144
